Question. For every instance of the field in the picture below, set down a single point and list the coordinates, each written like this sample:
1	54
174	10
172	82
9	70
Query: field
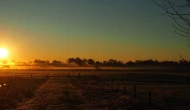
95	90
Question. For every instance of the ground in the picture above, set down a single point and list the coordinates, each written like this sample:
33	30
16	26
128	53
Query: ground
109	90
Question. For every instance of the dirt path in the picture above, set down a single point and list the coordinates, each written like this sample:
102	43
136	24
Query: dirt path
55	94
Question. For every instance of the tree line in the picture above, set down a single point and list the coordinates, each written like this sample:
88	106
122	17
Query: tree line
111	62
91	62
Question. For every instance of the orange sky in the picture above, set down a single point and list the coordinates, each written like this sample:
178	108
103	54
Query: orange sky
58	30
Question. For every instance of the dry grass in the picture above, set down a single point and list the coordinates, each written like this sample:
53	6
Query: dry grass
100	91
17	89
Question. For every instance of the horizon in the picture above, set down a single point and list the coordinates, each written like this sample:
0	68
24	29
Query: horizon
102	30
31	62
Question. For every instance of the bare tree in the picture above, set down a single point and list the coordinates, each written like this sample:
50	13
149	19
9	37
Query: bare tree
179	12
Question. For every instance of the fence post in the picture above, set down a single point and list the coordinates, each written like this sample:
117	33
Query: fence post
112	85
134	90
166	100
149	98
79	75
2	105
68	75
118	86
125	92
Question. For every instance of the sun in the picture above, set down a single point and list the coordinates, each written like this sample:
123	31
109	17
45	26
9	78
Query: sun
3	53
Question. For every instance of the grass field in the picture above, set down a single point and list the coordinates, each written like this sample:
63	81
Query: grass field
95	90
14	90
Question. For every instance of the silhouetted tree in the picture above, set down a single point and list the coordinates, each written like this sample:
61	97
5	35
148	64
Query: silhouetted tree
183	62
78	61
4	62
84	61
105	63
112	62
138	62
91	61
56	63
120	63
30	63
97	65
179	12
13	61
41	62
129	63
71	60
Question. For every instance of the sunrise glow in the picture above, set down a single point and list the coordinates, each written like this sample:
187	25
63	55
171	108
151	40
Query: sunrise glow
3	53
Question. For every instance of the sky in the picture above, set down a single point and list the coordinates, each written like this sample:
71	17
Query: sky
99	29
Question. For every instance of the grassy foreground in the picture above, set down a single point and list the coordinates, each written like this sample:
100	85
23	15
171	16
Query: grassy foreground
112	91
14	90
